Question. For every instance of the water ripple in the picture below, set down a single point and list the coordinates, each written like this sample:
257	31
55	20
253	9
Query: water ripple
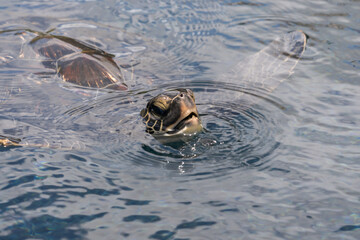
239	132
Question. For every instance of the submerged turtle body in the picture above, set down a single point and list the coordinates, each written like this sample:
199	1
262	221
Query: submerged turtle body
78	62
85	65
173	113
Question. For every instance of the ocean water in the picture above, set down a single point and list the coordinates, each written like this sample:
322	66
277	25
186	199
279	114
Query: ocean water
279	165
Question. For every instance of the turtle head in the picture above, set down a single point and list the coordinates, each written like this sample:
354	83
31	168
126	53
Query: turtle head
172	113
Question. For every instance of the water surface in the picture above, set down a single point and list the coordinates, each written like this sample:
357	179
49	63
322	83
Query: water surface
283	165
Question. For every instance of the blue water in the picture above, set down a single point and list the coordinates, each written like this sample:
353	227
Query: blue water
283	165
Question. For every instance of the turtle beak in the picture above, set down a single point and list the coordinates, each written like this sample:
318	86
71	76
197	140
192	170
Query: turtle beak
193	125
190	123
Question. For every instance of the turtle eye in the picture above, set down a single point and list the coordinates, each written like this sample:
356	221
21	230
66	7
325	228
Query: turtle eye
157	110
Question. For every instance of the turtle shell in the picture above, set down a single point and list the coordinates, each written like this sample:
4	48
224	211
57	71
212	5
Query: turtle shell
78	62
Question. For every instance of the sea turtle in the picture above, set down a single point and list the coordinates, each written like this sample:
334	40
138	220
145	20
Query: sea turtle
172	113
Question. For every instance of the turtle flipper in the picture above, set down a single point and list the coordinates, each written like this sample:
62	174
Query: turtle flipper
267	68
9	141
